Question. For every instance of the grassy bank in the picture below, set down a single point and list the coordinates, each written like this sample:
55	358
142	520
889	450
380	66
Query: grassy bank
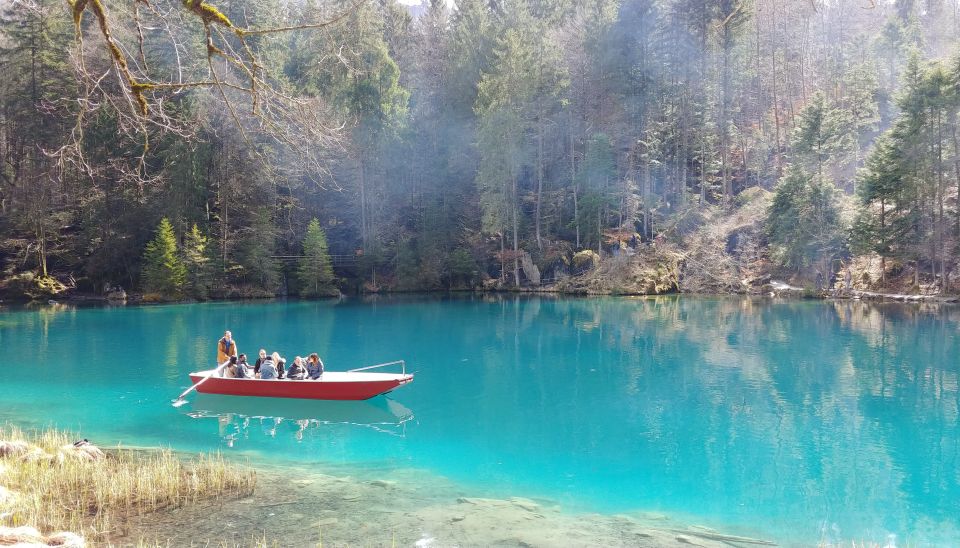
50	484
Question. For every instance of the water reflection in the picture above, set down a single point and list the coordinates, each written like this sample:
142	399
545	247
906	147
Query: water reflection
819	420
838	417
237	417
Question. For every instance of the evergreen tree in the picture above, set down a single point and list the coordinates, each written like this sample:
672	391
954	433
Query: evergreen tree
197	261
804	222
255	253
903	188
33	122
163	272
315	270
875	229
596	176
822	138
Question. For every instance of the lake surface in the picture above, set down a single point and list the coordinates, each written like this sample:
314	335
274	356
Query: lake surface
802	421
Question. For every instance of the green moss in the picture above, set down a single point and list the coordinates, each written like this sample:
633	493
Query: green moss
77	6
209	13
30	286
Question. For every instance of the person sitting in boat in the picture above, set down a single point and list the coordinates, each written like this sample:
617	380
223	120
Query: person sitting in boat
268	367
281	365
244	370
297	371
226	347
230	371
256	366
314	366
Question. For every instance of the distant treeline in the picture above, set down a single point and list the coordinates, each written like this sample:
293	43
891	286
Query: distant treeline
470	139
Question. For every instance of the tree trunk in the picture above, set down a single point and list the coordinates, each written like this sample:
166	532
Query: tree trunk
225	223
42	249
724	114
539	176
363	204
645	175
883	241
576	184
516	246
503	264
940	193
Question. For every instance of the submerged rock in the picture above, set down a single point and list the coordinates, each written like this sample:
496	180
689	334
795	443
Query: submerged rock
524	503
416	508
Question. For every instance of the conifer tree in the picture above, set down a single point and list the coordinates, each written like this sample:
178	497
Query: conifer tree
163	271
197	263
804	222
315	271
822	137
255	254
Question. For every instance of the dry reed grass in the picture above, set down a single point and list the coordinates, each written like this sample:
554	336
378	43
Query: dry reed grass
54	488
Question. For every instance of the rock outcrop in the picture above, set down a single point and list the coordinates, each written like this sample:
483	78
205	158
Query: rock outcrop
530	269
28	537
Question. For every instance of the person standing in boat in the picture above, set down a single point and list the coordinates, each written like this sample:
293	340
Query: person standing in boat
226	348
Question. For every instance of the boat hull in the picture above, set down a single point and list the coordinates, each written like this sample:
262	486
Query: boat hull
332	386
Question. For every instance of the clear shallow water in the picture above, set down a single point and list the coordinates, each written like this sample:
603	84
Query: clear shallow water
803	421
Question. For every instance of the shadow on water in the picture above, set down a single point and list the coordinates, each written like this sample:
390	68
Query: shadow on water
237	416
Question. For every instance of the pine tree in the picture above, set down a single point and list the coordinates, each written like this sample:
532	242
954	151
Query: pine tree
315	271
255	253
163	272
822	138
597	174
804	223
197	263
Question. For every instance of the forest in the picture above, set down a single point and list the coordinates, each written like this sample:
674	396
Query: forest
232	148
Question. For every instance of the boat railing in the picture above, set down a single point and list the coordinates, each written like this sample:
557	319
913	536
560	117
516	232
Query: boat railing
403	366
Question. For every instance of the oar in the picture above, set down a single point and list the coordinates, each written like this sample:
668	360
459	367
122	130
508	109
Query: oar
180	401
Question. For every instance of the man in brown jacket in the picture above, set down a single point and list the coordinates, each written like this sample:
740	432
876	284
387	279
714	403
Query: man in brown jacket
226	347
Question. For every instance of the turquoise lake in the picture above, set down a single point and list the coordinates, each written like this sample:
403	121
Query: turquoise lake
805	421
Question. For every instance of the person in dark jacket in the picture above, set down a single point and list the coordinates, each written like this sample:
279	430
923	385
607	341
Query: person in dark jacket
314	367
297	371
281	365
244	369
256	365
268	367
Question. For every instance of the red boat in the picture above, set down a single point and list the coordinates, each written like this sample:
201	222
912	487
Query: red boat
356	384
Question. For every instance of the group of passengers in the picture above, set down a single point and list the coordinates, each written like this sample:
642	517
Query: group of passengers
268	366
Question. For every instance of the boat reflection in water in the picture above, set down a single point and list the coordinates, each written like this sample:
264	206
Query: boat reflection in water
236	416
